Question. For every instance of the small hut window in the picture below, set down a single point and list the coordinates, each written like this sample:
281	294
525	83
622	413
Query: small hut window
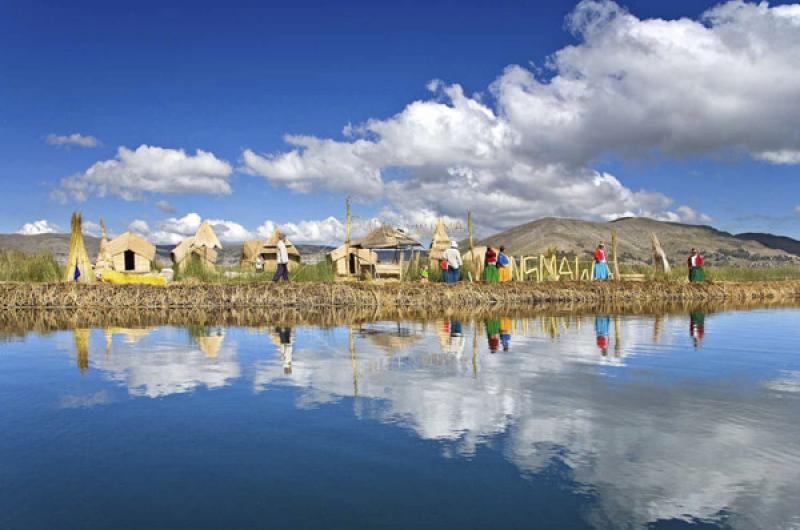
130	260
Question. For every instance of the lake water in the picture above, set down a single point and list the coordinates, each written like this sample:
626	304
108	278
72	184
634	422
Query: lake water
598	421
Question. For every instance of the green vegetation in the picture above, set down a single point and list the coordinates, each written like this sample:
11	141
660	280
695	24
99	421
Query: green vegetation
719	273
18	267
319	272
195	273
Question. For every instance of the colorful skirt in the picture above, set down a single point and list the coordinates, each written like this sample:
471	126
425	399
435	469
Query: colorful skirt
504	273
490	274
600	270
697	274
452	275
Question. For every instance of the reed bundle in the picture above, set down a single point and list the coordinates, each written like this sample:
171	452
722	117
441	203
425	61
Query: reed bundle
307	295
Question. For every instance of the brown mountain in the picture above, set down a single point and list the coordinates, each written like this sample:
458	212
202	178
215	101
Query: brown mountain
573	236
787	244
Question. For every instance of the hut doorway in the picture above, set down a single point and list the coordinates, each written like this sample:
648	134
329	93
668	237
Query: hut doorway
352	265
130	260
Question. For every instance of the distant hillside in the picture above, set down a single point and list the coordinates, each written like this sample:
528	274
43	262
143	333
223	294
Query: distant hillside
58	244
787	244
573	236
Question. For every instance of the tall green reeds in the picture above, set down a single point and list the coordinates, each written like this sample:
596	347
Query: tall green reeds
18	267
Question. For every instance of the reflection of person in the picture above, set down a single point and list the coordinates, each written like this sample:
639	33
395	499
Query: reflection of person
456	338
285	335
452	257
493	334
505	333
697	321
601	325
490	266
600	263
282	272
503	266
695	264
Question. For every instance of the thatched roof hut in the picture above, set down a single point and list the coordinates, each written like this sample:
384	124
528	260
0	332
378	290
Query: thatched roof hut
130	252
387	237
350	261
78	267
268	252
439	243
201	247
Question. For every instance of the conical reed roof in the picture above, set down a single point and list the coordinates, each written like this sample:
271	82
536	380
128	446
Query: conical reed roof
78	267
205	237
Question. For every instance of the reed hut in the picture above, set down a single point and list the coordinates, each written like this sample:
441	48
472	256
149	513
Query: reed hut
353	262
268	252
362	258
439	243
78	267
201	248
130	253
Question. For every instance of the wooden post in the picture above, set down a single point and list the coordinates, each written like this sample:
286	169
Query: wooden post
474	267
402	255
614	250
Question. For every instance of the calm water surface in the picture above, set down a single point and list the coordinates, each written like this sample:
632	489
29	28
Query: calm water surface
684	420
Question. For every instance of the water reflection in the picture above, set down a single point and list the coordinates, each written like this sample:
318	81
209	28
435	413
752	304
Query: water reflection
650	432
697	325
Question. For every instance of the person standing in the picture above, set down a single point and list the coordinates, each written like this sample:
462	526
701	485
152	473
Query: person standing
503	266
282	272
600	263
695	264
453	258
490	266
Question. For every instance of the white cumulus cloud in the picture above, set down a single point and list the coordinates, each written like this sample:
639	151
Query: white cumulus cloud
42	226
150	169
76	139
629	88
174	229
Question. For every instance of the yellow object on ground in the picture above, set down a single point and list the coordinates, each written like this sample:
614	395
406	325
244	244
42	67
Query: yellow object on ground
120	278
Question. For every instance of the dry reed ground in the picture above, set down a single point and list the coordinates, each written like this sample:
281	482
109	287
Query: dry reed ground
308	295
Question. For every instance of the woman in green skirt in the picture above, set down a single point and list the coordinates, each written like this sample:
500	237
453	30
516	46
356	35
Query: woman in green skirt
490	273
695	263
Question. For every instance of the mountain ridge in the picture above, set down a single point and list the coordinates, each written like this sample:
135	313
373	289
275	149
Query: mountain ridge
579	237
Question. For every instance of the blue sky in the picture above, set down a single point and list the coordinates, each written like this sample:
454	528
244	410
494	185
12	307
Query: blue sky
239	77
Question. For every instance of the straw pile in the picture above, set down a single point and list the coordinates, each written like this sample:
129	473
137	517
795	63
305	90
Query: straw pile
78	267
306	295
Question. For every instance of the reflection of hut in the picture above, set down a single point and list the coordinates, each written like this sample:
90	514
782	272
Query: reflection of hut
82	348
78	267
130	253
211	344
132	335
268	252
201	248
439	243
389	340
